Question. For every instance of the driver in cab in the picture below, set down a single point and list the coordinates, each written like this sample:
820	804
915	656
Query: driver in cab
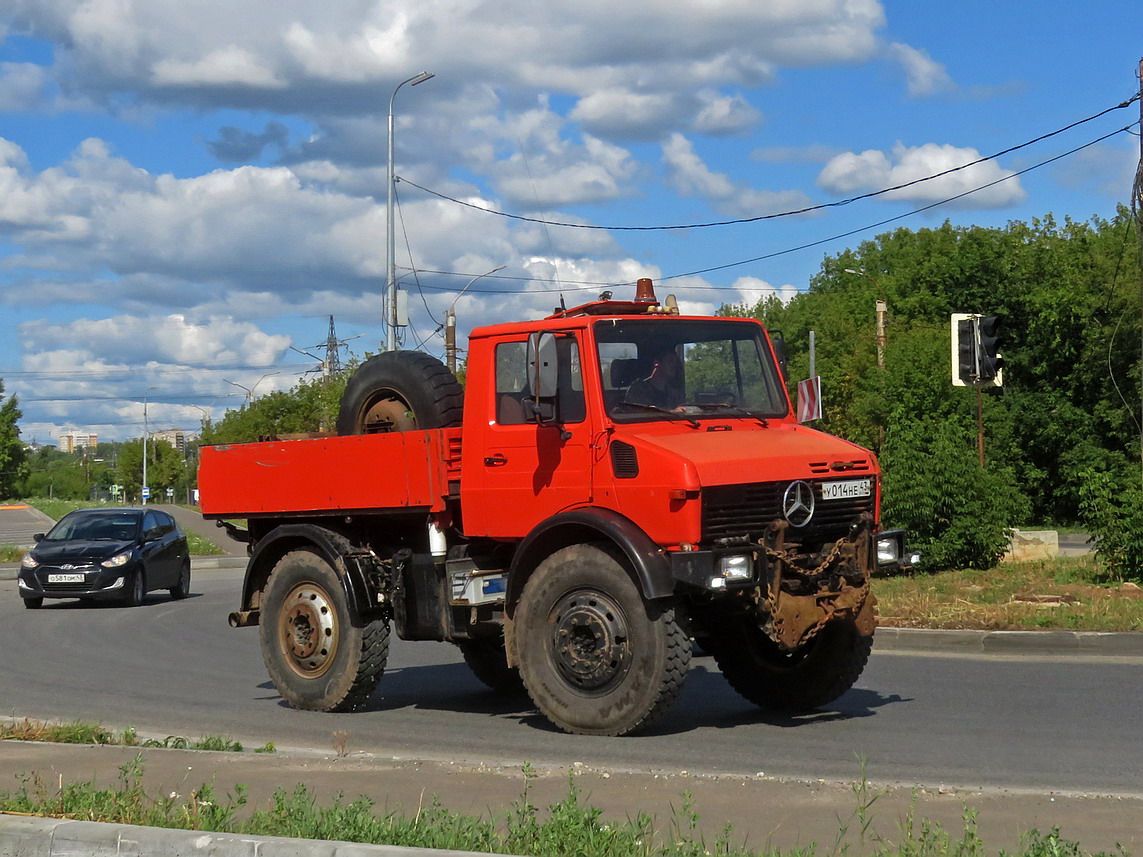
663	387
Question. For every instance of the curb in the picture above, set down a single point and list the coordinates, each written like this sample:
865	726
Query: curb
1123	644
8	571
31	836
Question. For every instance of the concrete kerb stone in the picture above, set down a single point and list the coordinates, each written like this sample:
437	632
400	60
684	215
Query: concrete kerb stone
27	836
1062	643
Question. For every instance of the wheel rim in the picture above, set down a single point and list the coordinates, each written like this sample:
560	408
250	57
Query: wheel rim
309	630
589	642
386	415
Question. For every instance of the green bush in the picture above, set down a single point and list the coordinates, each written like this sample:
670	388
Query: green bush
958	514
1112	510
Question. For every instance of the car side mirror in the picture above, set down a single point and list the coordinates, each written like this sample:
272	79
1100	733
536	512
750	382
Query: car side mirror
38	537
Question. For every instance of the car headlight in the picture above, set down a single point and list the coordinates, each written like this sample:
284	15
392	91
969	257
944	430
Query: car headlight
29	561
117	560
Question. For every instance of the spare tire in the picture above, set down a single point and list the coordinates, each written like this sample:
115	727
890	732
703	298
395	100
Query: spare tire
400	391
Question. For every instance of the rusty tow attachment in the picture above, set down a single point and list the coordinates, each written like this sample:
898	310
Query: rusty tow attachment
805	591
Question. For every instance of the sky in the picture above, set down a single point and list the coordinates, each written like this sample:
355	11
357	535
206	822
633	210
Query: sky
190	189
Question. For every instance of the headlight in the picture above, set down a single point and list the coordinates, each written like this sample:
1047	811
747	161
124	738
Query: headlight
29	561
736	567
887	550
117	560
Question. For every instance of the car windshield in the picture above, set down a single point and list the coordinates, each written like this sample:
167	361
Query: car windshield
114	526
671	368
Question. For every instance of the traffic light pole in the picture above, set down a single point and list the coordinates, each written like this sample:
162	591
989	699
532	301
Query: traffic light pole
980	425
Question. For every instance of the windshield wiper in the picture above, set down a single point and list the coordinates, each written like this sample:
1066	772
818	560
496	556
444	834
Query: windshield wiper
711	406
673	414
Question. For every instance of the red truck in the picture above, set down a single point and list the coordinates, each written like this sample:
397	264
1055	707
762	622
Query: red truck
614	483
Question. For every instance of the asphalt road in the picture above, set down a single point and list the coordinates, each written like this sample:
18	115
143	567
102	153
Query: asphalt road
1064	725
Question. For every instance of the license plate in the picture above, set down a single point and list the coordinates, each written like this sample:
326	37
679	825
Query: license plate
67	578
847	490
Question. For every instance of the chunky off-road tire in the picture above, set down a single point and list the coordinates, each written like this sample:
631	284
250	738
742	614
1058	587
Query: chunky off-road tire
181	589
34	603
808	678
317	658
488	663
400	391
596	658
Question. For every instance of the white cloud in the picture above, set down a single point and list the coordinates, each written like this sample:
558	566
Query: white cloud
852	173
689	175
923	74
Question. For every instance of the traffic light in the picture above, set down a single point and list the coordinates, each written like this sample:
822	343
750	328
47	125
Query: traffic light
975	361
965	350
990	363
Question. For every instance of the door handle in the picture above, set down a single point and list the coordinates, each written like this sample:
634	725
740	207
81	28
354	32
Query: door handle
496	460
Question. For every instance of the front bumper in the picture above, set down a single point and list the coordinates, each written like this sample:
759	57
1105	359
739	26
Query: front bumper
97	582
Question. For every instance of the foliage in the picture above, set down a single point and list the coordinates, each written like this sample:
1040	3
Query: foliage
310	406
568	828
1068	299
12	454
166	468
1112	508
54	473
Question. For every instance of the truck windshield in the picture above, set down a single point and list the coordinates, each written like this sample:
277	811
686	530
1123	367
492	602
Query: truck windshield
661	368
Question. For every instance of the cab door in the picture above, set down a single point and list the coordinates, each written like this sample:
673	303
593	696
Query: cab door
530	470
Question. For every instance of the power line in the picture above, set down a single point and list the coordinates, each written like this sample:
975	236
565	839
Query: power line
791	213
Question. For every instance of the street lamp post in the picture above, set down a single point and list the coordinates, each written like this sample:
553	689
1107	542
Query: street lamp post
450	320
249	390
389	312
143	489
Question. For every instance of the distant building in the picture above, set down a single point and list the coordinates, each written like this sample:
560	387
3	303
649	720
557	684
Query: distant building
71	441
176	438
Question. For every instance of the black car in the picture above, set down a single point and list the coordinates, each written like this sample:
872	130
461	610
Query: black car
118	554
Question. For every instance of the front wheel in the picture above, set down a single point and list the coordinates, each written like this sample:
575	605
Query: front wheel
34	603
181	589
596	658
318	659
812	676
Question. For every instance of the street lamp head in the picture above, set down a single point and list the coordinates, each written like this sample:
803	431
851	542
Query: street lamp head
421	78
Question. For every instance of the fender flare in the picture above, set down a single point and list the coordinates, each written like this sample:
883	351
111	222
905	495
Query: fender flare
649	563
331	546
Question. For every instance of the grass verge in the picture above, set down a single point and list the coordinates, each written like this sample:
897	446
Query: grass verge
94	733
568	828
1067	593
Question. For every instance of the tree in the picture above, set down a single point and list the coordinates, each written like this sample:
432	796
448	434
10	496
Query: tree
311	406
12	453
165	467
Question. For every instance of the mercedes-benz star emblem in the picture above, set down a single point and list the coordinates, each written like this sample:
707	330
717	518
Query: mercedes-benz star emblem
798	503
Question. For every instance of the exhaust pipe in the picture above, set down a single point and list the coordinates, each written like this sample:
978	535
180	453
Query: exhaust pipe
243	618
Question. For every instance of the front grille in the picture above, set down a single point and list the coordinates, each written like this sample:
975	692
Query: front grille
745	511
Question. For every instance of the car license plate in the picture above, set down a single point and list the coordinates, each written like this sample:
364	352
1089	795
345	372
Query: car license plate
67	578
847	490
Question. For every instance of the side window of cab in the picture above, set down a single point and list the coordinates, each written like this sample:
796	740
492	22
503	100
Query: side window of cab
514	403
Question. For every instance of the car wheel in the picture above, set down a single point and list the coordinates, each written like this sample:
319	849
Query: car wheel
34	603
137	591
182	588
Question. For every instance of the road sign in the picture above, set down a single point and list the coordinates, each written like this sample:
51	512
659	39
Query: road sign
146	493
810	399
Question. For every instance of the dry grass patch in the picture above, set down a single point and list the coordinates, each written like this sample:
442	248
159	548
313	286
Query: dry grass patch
1069	593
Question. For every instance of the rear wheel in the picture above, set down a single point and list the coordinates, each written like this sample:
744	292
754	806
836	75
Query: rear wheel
812	676
318	659
34	603
400	391
488	662
596	658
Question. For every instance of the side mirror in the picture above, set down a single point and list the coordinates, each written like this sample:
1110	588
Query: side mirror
779	343
543	375
38	537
